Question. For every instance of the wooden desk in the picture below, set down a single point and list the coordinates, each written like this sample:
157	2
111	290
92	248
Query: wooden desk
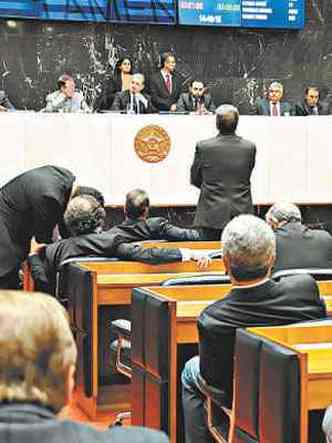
313	345
95	286
184	304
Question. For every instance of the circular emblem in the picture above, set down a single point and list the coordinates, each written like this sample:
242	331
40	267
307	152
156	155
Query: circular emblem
152	144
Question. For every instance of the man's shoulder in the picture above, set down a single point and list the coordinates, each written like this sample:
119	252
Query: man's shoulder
294	284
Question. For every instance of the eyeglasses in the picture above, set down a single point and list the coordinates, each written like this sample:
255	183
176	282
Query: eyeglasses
198	89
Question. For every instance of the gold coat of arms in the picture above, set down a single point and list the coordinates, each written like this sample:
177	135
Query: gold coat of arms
152	144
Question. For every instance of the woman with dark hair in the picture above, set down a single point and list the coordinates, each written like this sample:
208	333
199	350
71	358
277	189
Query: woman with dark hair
118	83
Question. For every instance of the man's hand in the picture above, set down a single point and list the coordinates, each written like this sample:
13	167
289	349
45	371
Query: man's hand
3	109
202	258
173	107
35	247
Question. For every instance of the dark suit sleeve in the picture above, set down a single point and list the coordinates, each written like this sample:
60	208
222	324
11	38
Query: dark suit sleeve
181	105
116	106
39	273
196	172
166	231
154	256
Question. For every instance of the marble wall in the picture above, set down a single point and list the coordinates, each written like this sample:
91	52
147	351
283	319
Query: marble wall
236	64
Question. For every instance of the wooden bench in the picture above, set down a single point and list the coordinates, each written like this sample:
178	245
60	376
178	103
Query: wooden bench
98	292
312	344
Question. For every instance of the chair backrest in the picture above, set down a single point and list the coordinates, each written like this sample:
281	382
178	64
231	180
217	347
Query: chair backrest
212	279
316	273
267	391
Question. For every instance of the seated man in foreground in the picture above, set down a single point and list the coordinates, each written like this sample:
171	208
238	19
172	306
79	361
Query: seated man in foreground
298	246
37	366
84	219
255	300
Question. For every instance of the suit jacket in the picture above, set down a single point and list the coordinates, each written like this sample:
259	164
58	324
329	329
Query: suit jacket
161	98
153	228
292	299
31	205
300	247
263	107
221	169
302	109
186	103
5	102
109	88
24	422
122	100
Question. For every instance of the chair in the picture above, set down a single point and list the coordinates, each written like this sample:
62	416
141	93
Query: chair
120	348
316	273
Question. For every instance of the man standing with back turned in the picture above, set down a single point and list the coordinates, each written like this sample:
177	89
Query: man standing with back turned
221	169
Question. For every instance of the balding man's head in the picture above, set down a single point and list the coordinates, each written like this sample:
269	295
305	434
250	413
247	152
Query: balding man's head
282	213
227	117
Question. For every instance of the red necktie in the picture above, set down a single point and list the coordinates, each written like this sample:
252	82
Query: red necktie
168	83
274	110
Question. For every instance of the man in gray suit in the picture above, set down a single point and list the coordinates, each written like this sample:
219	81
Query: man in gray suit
272	105
221	169
5	104
197	100
37	366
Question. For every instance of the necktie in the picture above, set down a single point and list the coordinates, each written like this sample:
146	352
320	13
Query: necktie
274	110
168	83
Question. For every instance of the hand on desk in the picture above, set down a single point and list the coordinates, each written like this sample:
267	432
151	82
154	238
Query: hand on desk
202	258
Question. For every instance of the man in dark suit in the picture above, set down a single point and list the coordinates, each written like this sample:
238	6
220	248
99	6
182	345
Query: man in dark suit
221	169
249	249
30	205
272	105
311	104
133	101
197	100
84	219
297	245
166	85
5	104
138	226
37	366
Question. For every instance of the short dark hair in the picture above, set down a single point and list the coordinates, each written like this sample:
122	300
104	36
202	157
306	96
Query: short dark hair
196	81
311	87
136	203
84	215
164	56
63	79
88	190
227	118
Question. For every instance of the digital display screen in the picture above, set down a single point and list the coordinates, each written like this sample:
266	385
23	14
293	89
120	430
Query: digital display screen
288	14
138	11
127	11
